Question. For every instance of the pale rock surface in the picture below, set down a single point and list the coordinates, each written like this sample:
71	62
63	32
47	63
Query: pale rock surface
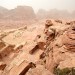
39	70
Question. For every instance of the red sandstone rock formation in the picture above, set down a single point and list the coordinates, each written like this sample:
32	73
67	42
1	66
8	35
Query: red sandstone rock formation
36	52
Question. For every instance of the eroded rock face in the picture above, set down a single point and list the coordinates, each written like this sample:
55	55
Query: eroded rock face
69	40
70	63
48	23
61	49
39	53
70	23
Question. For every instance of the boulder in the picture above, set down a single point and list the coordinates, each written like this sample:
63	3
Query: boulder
69	40
48	23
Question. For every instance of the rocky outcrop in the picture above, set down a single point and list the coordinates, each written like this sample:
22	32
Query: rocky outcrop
60	49
39	70
69	40
37	50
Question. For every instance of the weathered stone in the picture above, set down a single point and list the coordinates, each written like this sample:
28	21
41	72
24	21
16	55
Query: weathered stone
20	69
2	44
69	63
2	66
41	45
69	40
17	49
72	22
37	37
68	23
56	51
58	21
48	23
7	50
39	70
34	49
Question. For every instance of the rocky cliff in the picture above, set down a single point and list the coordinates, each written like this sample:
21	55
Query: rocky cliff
18	13
48	49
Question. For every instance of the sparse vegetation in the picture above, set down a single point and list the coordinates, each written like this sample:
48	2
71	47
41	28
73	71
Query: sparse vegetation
65	71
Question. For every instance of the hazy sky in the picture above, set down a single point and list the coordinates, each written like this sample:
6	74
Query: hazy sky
44	4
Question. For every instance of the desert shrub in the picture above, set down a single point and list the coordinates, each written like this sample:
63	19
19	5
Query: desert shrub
65	71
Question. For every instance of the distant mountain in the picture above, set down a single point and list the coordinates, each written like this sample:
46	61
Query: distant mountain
3	10
1	16
19	13
55	14
41	14
73	14
27	13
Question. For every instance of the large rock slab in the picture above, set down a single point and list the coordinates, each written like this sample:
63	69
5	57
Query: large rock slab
39	70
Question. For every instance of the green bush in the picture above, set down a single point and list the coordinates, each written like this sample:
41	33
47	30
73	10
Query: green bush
65	71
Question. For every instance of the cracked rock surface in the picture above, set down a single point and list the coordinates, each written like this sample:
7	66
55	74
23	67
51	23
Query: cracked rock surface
38	50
